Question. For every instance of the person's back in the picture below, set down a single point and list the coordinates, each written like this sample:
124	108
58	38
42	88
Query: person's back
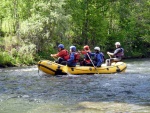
103	57
98	58
72	61
117	55
87	56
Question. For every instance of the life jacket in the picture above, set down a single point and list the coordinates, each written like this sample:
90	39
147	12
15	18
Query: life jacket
101	55
120	54
77	57
87	59
103	58
95	57
66	56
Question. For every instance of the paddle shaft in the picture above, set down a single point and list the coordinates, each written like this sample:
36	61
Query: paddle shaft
92	62
109	56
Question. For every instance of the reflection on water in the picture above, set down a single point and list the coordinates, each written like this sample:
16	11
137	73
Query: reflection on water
22	90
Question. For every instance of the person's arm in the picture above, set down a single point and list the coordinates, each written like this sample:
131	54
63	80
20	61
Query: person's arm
71	57
54	55
99	60
115	52
109	53
82	52
59	54
91	54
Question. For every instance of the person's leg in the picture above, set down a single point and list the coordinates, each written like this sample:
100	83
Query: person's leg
84	63
71	64
81	63
64	62
108	62
60	60
116	59
91	64
68	64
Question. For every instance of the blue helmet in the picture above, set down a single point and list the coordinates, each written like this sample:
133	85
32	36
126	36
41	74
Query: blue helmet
61	46
73	48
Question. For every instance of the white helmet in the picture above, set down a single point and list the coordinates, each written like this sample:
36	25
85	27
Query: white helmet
97	48
117	43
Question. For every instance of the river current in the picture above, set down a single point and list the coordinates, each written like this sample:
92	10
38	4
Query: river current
24	90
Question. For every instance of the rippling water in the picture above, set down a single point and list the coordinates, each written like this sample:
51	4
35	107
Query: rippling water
23	90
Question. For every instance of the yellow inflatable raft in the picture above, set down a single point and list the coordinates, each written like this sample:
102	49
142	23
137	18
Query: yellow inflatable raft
53	68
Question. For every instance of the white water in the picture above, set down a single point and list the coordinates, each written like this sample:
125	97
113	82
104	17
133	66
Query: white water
22	90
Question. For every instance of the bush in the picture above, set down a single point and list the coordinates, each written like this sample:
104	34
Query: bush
26	54
6	59
1	33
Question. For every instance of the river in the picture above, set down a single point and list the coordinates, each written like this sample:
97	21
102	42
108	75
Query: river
23	90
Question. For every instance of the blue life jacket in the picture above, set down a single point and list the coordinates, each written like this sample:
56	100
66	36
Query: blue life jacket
73	59
98	59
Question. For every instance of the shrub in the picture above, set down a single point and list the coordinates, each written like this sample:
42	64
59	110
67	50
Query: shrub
6	59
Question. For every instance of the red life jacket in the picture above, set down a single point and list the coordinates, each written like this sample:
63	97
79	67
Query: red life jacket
87	59
66	57
77	57
63	54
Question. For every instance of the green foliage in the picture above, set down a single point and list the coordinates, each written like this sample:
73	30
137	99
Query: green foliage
89	26
6	59
47	26
18	53
26	54
1	33
31	29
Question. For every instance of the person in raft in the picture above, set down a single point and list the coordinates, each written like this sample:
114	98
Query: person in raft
98	58
117	55
86	59
73	57
62	54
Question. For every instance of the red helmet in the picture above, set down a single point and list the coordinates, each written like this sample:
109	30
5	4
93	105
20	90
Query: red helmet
86	47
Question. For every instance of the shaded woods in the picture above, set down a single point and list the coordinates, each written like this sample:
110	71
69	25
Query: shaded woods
32	29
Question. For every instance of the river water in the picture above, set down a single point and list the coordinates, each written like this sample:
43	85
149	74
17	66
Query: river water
23	90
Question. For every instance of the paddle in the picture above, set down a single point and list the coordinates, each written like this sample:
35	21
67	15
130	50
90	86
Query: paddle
92	63
109	63
109	56
65	69
53	57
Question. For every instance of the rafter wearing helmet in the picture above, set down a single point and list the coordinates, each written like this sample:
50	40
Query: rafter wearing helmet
62	54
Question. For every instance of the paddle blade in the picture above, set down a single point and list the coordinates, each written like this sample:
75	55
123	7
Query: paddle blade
65	69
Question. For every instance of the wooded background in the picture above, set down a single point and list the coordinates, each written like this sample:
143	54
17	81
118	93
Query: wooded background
32	29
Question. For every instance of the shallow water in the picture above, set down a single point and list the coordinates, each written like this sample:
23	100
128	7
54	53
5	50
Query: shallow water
23	90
